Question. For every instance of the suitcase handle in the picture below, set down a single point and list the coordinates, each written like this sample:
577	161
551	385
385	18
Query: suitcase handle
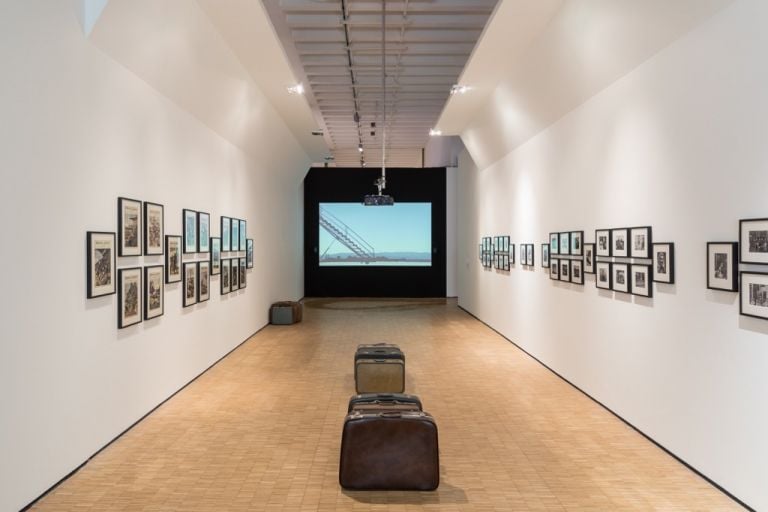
390	414
379	360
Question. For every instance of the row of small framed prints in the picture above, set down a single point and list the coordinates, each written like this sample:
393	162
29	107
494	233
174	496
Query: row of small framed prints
617	243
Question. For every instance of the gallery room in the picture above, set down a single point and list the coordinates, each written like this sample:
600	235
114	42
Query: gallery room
449	255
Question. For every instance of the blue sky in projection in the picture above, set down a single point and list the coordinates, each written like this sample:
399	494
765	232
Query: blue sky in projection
402	228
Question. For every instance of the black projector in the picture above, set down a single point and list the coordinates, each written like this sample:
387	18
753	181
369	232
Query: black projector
378	200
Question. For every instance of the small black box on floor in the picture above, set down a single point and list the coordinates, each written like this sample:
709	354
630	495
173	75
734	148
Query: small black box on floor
286	313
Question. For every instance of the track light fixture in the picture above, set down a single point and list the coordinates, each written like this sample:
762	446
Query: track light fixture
459	89
296	89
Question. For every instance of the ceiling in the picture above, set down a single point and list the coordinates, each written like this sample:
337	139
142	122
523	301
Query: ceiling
335	50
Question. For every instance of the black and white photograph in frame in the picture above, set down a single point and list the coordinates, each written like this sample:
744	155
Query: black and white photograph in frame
242	235
577	243
190	283
512	254
129	308
619	243
101	264
589	258
722	266
577	271
189	224
523	255
172	258
226	223
554	269
154	292
642	280
225	284
242	273
603	275
234	274
204	281
554	243
754	294
753	241
249	253
215	256
154	228
620	277
565	270
603	242
235	232
529	254
545	255
664	262
640	242
203	232
565	243
129	225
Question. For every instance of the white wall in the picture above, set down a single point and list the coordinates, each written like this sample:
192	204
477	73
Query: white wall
79	129
679	144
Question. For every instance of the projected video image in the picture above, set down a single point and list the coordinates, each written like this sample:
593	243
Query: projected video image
355	235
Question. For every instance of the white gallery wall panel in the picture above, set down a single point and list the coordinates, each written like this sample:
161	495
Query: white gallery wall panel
78	130
678	144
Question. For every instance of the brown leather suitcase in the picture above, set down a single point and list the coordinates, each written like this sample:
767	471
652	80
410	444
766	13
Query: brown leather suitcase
286	313
380	376
389	451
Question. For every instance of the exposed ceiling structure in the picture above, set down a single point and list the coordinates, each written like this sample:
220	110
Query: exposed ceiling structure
335	49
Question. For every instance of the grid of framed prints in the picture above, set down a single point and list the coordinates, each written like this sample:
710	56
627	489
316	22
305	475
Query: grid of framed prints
545	255
486	251
101	264
154	291
526	254
570	243
129	297
501	252
249	252
589	258
722	266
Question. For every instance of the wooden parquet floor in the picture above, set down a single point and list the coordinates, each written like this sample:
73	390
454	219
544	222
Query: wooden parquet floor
261	430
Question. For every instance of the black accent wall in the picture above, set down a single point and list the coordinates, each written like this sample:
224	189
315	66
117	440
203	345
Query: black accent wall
326	185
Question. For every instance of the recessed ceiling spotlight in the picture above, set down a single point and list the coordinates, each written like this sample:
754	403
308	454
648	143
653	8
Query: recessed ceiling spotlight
435	133
460	89
296	89
360	148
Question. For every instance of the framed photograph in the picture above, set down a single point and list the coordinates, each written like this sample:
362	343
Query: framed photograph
565	243
577	271
529	254
619	243
577	242
545	255
620	277
154	228
664	262
189	221
512	254
204	281
641	242
722	266
154	288
242	273
603	275
554	241
128	297
226	222
603	242
589	258
190	283
242	235
128	227
249	253
203	232
753	241
172	259
101	264
642	281
236	235
215	256
225	285
234	274
565	270
523	255
754	294
554	269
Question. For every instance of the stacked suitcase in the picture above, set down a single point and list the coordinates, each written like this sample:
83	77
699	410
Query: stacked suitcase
388	441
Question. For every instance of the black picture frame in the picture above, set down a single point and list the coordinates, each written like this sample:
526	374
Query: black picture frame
189	290
226	224
663	256
530	256
154	291
129	227
620	278
544	255
577	271
603	275
640	242
203	232
189	230
235	235
722	269
225	278
554	244
589	258
203	281
523	254
129	297
249	252
243	238
753	298
636	270
234	274
620	243
565	270
753	243
576	243
215	256
154	229
603	243
554	269
565	244
243	280
173	260
101	264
